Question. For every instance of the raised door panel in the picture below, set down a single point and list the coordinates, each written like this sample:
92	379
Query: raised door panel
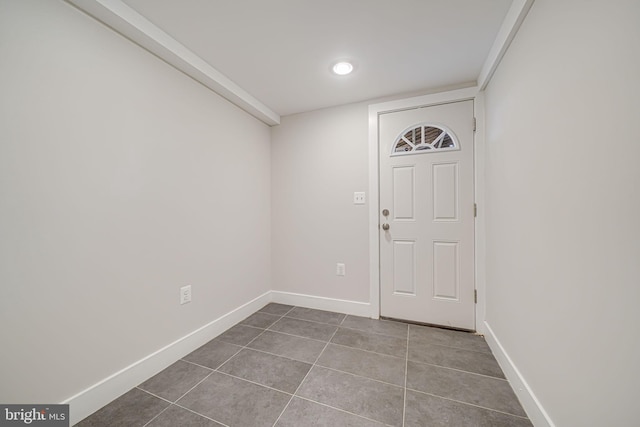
445	192
446	270
403	193
404	267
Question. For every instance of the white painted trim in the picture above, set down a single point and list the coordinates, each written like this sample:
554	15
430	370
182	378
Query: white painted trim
374	184
126	21
355	308
480	200
424	100
374	209
532	406
95	397
510	26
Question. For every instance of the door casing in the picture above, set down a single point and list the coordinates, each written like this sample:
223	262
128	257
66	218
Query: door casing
472	93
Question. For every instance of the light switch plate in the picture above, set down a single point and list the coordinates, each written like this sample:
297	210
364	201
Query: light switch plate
359	198
185	294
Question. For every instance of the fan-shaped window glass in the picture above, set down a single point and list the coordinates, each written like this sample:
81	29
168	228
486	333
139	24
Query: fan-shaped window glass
424	139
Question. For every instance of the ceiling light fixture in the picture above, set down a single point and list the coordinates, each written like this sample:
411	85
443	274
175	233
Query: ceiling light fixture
342	68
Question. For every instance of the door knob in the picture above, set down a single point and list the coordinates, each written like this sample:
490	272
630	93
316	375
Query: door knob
385	227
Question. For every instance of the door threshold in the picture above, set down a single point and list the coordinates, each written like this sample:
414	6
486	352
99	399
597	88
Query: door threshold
412	322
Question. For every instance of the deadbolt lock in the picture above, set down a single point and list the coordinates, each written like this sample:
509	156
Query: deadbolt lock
385	212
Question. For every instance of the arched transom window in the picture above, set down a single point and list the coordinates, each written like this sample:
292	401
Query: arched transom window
426	138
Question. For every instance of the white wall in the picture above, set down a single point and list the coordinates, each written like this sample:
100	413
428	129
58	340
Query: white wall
121	180
318	160
563	203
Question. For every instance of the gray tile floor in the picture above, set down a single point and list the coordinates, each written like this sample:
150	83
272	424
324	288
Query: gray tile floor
290	366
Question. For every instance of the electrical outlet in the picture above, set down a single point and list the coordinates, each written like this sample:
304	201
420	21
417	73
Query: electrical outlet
185	294
340	269
358	198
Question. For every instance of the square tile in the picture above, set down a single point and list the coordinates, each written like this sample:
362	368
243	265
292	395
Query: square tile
361	396
373	342
357	380
240	335
424	410
134	408
303	413
384	327
236	402
260	320
276	309
266	369
479	390
449	357
213	354
175	380
316	315
303	328
458	339
364	363
177	416
298	348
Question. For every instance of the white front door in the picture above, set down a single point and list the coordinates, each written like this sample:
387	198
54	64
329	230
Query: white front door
427	215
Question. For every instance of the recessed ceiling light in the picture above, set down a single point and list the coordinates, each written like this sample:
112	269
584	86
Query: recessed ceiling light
342	68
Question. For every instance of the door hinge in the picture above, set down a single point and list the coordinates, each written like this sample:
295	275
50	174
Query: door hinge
474	124
475	296
475	210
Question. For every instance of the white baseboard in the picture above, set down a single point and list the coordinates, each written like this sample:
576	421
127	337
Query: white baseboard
322	303
95	397
529	401
98	395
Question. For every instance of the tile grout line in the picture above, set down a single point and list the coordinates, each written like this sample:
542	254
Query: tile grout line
199	414
326	324
406	374
266	386
161	412
229	358
303	336
202	366
305	377
274	354
263	330
176	404
343	319
358	376
316	364
313	321
426	341
288	316
152	394
253	382
460	370
370	332
292	335
222	364
367	351
281	315
199	382
469	404
312	365
244	346
349	373
338	409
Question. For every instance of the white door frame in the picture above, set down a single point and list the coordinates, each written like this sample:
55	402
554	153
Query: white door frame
472	93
